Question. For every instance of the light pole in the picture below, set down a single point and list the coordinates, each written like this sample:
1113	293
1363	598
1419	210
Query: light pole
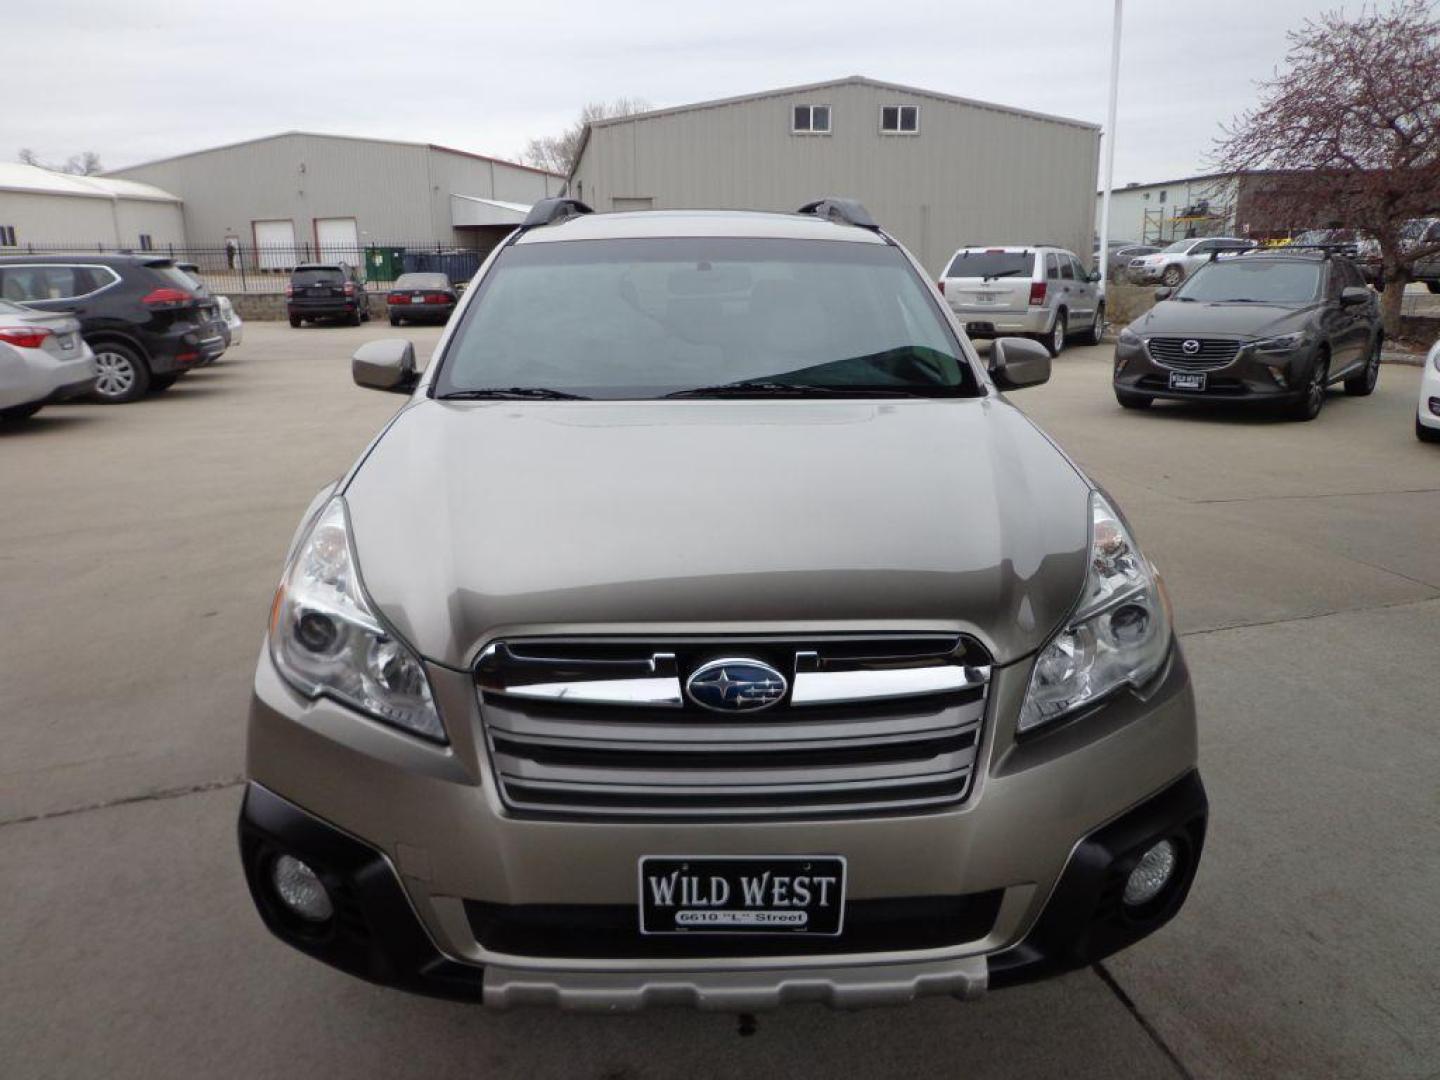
1110	147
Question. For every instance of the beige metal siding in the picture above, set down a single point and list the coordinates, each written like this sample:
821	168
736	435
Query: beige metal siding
58	219
972	175
163	222
462	174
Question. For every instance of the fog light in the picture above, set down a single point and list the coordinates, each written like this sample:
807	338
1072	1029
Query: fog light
1151	874
301	891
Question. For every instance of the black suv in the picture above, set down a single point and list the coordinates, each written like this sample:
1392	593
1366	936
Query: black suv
329	290
146	320
1278	325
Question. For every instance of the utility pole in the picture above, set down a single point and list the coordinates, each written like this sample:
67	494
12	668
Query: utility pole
1110	147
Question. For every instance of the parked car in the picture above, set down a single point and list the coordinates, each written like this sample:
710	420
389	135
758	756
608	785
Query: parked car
1173	264
326	291
720	635
1036	290
232	320
1121	258
1427	413
140	314
1424	232
423	297
1356	244
43	359
1270	326
232	327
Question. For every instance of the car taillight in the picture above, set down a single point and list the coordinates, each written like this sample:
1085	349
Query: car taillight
24	337
436	298
941	286
395	298
289	291
167	298
1037	293
349	288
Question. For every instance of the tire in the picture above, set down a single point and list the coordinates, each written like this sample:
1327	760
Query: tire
1130	400
122	374
1363	384
394	320
1423	433
1308	407
295	322
1055	340
1433	286
1172	276
159	383
16	413
355	319
365	312
1096	333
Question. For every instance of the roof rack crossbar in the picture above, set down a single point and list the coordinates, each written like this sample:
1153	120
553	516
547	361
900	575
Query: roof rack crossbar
553	210
845	211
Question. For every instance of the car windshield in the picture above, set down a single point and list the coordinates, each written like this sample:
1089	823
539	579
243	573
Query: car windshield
320	275
422	281
991	264
1265	281
645	318
1179	245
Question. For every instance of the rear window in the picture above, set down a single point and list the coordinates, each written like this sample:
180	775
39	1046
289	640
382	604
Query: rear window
320	275
642	318
173	275
991	264
422	281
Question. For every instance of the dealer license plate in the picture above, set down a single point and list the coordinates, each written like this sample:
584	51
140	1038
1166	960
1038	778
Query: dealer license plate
1187	380
761	894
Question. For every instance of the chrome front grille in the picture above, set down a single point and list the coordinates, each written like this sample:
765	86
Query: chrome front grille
1205	354
604	727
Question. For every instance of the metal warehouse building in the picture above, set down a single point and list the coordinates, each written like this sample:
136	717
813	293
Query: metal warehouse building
936	171
50	209
300	195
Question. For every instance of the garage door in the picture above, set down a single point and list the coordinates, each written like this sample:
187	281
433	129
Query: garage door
338	240
275	244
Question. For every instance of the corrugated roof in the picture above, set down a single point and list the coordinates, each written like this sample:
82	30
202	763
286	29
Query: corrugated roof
17	177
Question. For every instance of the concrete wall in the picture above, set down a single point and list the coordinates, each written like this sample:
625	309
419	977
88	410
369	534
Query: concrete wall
396	192
84	221
974	174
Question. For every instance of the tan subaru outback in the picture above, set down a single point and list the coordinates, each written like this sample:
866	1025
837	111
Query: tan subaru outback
707	627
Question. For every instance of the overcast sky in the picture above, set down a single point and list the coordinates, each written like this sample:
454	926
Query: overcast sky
141	79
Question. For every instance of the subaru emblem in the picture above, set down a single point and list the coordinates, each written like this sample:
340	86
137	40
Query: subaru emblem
1190	347
735	685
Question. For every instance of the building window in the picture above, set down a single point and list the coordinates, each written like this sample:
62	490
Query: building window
147	243
1162	196
900	119
7	236
810	120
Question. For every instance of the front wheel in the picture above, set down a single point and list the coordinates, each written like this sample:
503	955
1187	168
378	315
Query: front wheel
1172	276
1362	384
120	374
1131	400
1423	433
1309	406
1097	329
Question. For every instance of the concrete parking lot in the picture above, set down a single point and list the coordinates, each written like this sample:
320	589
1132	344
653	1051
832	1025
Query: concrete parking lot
139	546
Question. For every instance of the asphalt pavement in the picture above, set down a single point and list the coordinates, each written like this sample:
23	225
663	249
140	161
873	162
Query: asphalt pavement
139	546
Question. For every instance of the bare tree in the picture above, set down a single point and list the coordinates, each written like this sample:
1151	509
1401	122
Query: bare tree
1357	107
557	153
83	164
28	157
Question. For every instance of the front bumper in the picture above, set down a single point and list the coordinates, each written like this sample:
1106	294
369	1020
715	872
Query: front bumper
1250	376
439	888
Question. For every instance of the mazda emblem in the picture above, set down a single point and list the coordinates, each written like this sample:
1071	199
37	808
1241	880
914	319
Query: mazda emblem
735	685
1190	347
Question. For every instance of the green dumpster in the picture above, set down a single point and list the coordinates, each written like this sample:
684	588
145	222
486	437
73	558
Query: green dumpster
384	263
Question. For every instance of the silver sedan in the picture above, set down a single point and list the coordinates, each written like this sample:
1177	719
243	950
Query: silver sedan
43	358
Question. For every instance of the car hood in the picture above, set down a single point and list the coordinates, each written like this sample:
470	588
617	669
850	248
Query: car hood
480	519
1173	317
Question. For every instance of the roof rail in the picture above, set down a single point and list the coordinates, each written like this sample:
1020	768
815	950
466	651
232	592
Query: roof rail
552	210
844	211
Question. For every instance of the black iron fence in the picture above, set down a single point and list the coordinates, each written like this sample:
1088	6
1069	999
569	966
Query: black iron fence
265	268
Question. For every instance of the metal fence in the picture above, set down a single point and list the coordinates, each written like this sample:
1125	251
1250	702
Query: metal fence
265	268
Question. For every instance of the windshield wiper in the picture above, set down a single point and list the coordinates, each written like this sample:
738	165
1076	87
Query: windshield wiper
764	388
1002	273
540	393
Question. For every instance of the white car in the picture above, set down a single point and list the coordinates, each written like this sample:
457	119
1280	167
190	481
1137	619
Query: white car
1427	415
43	358
232	320
1171	265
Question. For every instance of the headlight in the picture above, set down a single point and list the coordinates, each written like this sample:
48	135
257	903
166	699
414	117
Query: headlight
1119	633
1283	343
1128	337
325	637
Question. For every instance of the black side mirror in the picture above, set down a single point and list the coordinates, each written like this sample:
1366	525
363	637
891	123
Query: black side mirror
388	364
1019	362
1093	276
1354	294
1162	293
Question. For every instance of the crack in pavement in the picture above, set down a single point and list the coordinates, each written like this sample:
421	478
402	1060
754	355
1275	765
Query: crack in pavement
1306	618
1313	495
126	800
1134	1010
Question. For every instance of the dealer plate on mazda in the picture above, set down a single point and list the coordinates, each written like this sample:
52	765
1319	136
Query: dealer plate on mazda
1187	380
760	894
